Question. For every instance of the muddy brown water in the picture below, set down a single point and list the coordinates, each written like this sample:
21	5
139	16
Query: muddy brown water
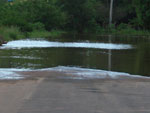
135	60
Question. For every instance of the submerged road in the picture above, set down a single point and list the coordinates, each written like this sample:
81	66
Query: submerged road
60	95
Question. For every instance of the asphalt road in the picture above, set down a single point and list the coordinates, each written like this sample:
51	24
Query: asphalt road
58	95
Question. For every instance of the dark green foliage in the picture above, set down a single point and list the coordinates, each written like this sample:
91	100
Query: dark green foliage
27	14
46	12
81	14
74	15
38	26
142	9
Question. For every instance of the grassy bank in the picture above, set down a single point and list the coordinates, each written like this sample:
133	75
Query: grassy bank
14	33
123	29
129	32
11	33
44	34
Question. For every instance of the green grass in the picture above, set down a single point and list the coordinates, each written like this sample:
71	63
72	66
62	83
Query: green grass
45	34
14	33
11	33
132	32
126	32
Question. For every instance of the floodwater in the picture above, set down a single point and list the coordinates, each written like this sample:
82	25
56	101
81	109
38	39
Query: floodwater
110	53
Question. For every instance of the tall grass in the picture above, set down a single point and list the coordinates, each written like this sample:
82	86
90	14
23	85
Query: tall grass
11	33
123	31
14	33
44	34
132	32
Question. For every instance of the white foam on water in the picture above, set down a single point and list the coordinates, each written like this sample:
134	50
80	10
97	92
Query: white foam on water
21	57
18	44
71	72
85	73
24	57
10	74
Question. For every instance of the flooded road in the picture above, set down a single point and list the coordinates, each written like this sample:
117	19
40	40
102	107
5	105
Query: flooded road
71	75
119	54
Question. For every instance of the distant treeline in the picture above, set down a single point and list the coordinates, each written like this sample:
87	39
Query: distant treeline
74	15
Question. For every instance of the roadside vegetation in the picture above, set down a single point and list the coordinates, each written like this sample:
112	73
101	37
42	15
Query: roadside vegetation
50	18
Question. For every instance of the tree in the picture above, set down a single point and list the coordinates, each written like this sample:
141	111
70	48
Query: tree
81	14
142	9
25	13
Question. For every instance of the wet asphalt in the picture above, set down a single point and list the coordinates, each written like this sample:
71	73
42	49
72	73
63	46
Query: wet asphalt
89	96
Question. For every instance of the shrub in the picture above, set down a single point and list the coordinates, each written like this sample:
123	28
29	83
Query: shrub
11	33
123	26
38	26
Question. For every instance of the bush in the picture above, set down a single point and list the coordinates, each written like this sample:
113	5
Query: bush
33	15
38	26
11	33
44	34
123	26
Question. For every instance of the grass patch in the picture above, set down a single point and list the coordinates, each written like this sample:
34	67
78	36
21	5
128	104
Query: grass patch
45	34
132	32
14	33
11	33
126	32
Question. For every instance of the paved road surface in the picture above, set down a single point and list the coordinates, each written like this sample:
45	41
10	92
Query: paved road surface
89	96
51	94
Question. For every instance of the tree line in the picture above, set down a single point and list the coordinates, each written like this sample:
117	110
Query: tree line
74	15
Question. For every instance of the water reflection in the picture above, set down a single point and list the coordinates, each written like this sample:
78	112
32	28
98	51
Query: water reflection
109	54
133	61
142	58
